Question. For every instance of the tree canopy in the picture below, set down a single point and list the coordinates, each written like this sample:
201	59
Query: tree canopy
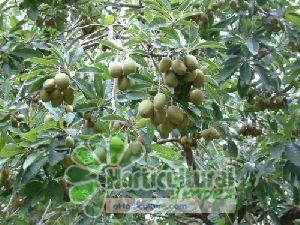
93	90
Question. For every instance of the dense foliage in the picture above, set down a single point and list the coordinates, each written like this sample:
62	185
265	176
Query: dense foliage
205	85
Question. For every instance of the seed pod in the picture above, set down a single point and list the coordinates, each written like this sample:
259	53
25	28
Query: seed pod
165	64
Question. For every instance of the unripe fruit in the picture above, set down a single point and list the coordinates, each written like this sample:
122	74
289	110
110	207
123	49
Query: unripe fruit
44	95
199	80
69	108
100	154
170	79
185	123
165	128
116	147
56	102
14	122
190	76
179	67
48	117
159	101
196	97
129	66
191	62
146	109
158	117
186	141
204	17
56	94
20	117
68	91
62	80
70	143
49	85
123	83
174	115
165	64
115	69
210	134
135	148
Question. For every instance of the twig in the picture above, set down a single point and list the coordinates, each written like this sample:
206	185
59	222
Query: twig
45	213
134	6
162	141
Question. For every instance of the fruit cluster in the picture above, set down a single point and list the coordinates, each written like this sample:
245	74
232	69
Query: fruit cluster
57	90
16	119
238	6
261	104
165	119
121	71
183	71
247	130
210	134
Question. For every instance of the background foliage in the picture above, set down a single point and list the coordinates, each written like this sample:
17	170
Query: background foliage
250	59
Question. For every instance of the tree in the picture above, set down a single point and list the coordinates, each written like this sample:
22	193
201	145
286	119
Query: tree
93	90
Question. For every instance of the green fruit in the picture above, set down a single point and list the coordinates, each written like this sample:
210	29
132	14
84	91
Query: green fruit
165	64
68	161
165	128
125	158
170	79
123	83
56	102
174	115
62	80
100	154
199	80
116	147
56	94
158	117
191	62
186	141
129	66
190	76
68	94
115	69
210	134
146	109
70	143
233	5
49	85
69	108
179	67
196	97
20	117
44	95
135	148
185	124
48	117
159	101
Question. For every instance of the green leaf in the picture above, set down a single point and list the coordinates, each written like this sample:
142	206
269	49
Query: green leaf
105	55
108	20
112	117
27	53
33	170
10	150
32	135
293	15
79	193
210	44
85	87
98	84
229	67
252	45
108	44
293	154
43	61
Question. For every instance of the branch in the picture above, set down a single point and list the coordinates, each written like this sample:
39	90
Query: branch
8	8
133	6
162	141
45	213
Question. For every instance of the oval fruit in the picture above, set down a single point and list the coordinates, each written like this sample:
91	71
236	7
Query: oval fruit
191	62
115	69
159	101
123	83
70	143
56	94
44	95
135	148
196	97
146	109
69	108
174	115
158	117
170	79
56	102
62	80
210	134
179	67
199	80
48	117
129	66
190	76
49	85
165	64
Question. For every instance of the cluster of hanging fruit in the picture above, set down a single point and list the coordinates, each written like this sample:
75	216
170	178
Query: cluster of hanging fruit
165	118
238	6
210	134
261	104
183	71
121	70
57	90
248	130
